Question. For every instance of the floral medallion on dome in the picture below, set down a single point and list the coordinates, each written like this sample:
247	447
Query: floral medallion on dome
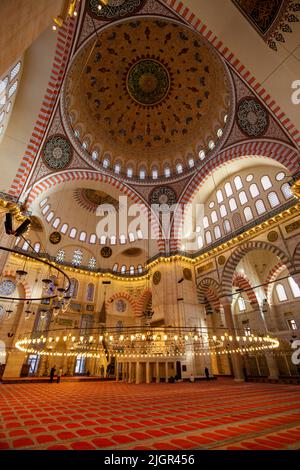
55	238
148	82
7	287
114	9
163	196
252	117
57	152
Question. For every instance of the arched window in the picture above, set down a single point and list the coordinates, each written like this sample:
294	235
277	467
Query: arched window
113	240
73	232
17	241
14	71
131	237
90	292
115	267
191	162
254	190
93	238
211	145
219	196
50	216
281	294
77	258
26	245
217	232
227	226
106	162
179	168
56	222
142	174
167	172
140	269
201	154
64	228
208	237
286	191
43	202
214	217
102	239
60	256
273	199
228	190
82	237
95	155
238	183
117	168
123	269
200	242
280	176
260	207
131	270
248	214
154	174
45	209
13	89
266	182
243	197
122	239
92	263
232	204
223	211
85	145
139	234
241	304
219	133
294	287
73	290
37	247
205	222
129	172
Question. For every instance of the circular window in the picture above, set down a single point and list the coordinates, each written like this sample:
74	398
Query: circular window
211	205
280	176
249	178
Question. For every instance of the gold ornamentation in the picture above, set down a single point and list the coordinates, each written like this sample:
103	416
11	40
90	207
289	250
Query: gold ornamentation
292	227
55	238
187	274
221	260
272	236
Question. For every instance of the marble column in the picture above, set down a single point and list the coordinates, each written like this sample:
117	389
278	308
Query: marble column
117	371
147	372
157	372
235	358
167	371
129	372
137	373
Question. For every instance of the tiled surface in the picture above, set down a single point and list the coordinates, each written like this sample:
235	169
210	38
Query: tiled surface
211	415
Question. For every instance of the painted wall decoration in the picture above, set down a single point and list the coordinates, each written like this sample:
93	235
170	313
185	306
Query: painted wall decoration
163	195
55	238
156	278
121	305
7	287
90	199
106	252
271	18
252	118
57	152
115	9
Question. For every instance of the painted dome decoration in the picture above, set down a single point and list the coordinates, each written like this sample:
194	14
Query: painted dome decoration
115	9
145	92
57	152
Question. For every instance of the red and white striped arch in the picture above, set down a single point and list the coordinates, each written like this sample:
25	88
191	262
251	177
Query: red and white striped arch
24	284
242	282
277	151
272	276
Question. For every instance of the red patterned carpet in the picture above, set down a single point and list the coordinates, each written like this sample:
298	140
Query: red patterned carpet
210	415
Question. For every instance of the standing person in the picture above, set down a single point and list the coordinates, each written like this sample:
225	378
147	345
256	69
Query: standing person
206	371
52	372
102	371
59	374
192	378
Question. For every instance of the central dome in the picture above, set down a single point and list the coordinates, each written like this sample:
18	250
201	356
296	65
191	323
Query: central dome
146	91
148	82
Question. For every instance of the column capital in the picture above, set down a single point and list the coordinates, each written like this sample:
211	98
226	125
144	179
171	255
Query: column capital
226	300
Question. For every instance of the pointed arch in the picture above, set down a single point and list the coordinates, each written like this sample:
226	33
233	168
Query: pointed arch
209	292
240	252
242	282
124	296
